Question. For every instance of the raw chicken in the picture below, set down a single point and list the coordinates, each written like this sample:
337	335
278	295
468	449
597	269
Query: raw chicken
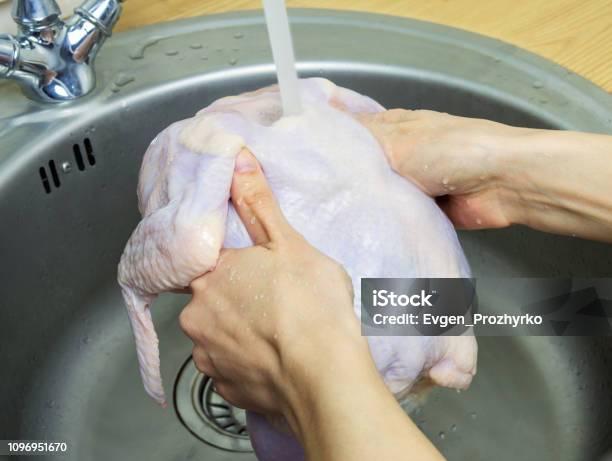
334	185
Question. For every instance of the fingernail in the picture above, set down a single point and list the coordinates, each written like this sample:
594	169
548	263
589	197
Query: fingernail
245	163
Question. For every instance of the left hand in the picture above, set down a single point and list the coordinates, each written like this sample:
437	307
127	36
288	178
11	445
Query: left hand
262	319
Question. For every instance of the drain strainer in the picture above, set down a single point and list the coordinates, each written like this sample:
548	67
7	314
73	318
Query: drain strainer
206	414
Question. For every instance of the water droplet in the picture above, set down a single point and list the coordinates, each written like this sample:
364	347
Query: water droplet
253	220
139	51
232	62
238	35
196	46
441	435
425	167
454	428
171	53
537	84
123	79
473	415
478	221
218	50
445	181
204	58
497	60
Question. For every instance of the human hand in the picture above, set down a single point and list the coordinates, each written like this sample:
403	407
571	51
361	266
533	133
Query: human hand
274	326
456	159
262	319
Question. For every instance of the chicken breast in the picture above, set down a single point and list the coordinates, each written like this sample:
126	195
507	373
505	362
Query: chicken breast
333	183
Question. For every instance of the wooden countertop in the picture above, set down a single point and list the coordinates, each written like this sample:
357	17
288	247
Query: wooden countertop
574	33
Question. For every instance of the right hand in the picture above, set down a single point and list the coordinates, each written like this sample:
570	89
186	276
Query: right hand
450	157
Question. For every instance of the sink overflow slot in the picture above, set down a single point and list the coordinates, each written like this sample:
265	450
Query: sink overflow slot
82	157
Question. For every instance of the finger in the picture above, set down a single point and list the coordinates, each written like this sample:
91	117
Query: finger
255	203
203	363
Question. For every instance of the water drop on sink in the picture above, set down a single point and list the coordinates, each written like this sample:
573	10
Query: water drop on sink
219	50
537	84
139	51
238	35
232	62
195	46
454	428
204	58
441	435
123	79
171	53
473	415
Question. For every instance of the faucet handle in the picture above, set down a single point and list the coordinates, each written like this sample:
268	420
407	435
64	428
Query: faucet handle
35	14
103	13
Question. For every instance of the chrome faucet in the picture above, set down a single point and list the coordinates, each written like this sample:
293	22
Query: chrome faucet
53	59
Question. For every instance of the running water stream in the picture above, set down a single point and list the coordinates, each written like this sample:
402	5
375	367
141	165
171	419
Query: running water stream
282	51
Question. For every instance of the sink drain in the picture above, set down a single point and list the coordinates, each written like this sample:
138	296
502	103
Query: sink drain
206	414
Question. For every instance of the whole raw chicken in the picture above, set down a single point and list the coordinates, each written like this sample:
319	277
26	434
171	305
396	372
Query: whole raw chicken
334	185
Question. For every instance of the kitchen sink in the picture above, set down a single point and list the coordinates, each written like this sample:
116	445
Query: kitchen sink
68	174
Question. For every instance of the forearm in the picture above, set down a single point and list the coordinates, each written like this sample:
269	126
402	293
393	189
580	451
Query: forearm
352	415
559	182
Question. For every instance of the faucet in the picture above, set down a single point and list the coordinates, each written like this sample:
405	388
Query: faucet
52	59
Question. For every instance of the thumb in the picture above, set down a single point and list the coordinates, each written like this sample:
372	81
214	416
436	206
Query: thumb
255	203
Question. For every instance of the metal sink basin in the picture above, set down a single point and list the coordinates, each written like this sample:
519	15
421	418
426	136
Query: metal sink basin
68	204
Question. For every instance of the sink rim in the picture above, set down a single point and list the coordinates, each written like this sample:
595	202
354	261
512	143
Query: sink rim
485	66
76	185
556	77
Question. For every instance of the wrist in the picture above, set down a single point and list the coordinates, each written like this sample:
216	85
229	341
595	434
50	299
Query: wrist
511	168
317	373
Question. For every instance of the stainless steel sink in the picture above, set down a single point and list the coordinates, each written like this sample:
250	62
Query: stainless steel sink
67	206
